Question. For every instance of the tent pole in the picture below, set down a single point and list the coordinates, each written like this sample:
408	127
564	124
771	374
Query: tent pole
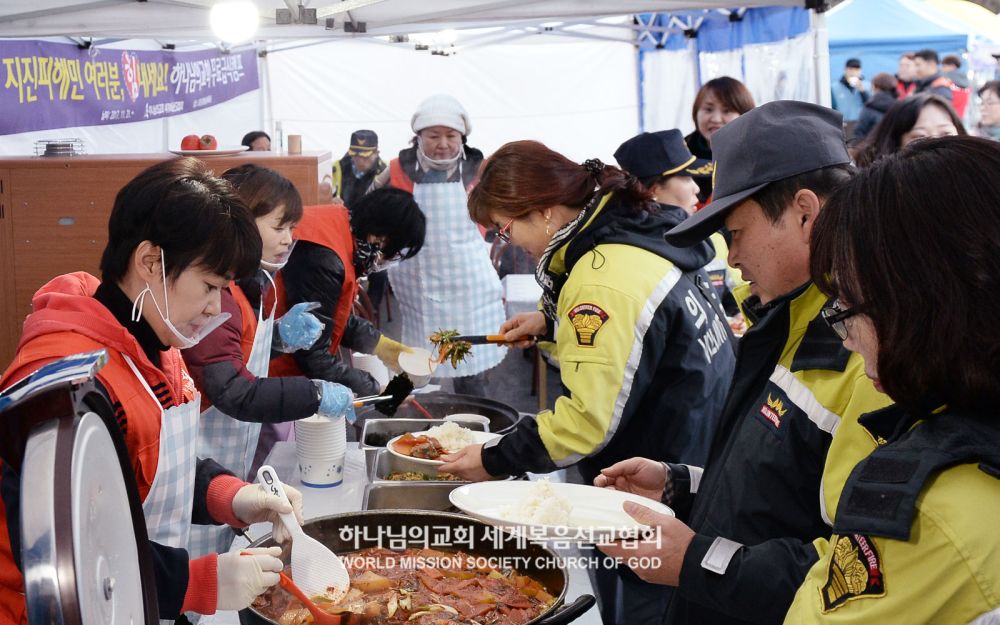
821	55
267	108
640	80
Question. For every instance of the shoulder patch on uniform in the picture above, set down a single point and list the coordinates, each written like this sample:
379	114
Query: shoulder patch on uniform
587	320
772	409
855	572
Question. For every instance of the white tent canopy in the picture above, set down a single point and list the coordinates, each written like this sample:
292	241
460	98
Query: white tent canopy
562	72
188	19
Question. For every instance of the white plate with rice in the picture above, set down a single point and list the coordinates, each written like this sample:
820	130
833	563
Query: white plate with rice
452	437
546	510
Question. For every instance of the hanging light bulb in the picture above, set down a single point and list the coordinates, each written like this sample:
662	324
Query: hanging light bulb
234	21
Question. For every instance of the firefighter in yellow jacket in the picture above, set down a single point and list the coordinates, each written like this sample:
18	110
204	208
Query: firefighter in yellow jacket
644	348
914	536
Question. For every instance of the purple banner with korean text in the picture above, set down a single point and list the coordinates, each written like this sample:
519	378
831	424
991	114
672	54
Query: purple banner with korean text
47	85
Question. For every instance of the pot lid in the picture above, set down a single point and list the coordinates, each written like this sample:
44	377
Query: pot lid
80	553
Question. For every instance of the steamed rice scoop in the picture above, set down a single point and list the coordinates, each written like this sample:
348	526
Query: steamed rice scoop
543	506
452	436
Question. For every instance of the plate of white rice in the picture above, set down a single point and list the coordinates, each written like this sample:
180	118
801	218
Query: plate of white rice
544	510
452	437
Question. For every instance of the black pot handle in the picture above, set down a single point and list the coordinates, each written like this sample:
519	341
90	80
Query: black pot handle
569	612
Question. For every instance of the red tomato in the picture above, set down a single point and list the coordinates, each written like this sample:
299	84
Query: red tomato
208	142
191	142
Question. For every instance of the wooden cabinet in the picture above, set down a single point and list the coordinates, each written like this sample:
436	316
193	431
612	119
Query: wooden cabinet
54	217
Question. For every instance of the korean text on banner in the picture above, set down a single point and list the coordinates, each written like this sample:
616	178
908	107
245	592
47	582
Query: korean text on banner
52	85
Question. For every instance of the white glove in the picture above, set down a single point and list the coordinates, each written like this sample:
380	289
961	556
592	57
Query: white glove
244	575
254	504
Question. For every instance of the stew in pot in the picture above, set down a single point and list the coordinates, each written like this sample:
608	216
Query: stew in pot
421	587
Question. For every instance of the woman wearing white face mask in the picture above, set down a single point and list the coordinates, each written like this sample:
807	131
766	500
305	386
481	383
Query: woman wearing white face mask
177	236
453	284
230	367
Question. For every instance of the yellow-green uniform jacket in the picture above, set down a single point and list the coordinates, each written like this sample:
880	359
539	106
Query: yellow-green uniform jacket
916	535
763	499
645	353
349	187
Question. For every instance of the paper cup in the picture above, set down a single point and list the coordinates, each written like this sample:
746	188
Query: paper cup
373	366
320	449
419	365
295	144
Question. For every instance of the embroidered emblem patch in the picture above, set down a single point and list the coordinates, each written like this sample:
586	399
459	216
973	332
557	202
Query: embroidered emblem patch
855	572
708	169
587	320
773	410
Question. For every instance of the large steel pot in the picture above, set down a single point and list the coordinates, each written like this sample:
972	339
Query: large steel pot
542	563
441	404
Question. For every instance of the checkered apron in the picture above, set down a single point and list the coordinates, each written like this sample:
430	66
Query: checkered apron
169	502
230	442
451	284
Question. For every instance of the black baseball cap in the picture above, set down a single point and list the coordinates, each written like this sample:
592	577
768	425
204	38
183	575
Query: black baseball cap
363	143
854	63
661	153
772	142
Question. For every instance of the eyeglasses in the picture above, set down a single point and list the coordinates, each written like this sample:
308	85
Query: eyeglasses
835	316
504	233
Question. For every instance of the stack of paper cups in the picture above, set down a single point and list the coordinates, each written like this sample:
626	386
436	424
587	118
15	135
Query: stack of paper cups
320	447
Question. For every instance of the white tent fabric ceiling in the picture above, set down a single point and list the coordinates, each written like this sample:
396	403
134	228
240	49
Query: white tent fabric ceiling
187	19
578	93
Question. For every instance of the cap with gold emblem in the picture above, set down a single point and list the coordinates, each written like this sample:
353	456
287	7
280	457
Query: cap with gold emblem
661	153
772	142
363	143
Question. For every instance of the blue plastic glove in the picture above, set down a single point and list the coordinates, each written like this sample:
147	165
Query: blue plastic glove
336	400
298	329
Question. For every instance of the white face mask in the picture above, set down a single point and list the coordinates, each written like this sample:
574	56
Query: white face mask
383	265
186	342
277	266
440	165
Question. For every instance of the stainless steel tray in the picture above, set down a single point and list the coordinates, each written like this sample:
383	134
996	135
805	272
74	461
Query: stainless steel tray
377	432
410	496
387	462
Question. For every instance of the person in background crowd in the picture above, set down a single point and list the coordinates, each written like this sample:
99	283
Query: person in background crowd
257	141
718	102
353	174
913	539
989	110
917	117
883	97
453	284
742	541
230	367
951	68
906	76
960	87
850	94
177	235
646	356
929	78
664	165
333	250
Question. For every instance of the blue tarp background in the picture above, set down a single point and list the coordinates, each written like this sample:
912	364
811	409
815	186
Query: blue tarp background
878	31
718	33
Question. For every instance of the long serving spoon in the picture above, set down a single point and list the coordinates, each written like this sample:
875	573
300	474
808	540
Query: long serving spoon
315	569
